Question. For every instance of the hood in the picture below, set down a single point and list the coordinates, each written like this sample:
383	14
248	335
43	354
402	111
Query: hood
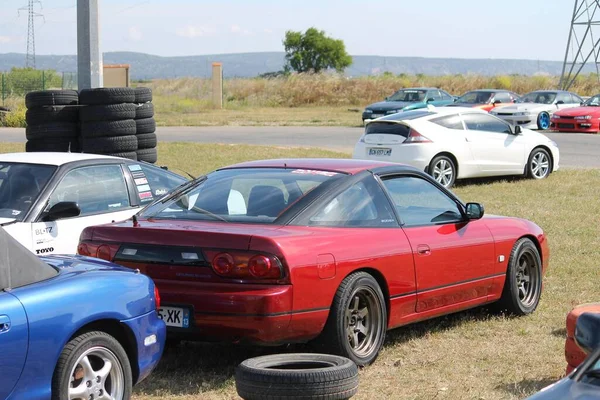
389	105
531	107
579	111
6	221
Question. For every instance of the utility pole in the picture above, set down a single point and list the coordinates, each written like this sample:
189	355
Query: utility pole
30	56
89	56
582	46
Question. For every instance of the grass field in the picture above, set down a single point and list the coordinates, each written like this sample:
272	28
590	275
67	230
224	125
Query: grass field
469	355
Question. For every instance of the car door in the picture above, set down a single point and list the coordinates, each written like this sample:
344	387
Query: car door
434	98
453	258
14	338
495	148
101	193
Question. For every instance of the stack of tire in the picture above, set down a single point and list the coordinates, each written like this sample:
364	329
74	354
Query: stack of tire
145	125
107	122
52	121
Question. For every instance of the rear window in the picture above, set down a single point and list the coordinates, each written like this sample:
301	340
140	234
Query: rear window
252	195
390	128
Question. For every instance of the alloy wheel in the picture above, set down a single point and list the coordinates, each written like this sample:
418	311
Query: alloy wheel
443	172
527	279
363	321
97	375
540	165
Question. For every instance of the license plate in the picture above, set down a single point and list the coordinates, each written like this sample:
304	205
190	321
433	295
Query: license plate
175	316
373	116
380	152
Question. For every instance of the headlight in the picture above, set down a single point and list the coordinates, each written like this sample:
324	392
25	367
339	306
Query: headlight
554	116
368	111
392	111
584	117
522	114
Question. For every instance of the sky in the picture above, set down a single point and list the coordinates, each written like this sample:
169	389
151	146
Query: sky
514	29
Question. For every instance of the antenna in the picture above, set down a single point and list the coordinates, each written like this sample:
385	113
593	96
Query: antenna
30	57
582	45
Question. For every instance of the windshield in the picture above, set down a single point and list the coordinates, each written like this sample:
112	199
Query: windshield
475	98
539	98
593	101
20	186
409	95
252	195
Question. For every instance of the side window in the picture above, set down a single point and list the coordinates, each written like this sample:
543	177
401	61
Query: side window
159	180
96	189
564	97
434	95
418	202
576	99
486	123
450	122
446	96
362	205
502	97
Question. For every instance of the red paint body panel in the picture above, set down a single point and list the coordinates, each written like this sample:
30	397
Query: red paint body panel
567	116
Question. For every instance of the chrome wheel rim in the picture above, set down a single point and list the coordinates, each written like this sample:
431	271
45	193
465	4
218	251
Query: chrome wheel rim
363	321
443	172
97	375
527	279
540	165
544	121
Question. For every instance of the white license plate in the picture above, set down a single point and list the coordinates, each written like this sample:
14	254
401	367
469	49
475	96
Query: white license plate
373	116
175	316
380	152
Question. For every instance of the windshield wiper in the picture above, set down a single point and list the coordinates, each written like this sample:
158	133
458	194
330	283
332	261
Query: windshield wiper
183	188
8	223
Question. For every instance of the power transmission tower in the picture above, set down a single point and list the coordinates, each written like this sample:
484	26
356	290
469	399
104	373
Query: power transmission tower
582	46
30	57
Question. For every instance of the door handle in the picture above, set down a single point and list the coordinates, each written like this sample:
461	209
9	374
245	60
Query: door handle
4	323
423	250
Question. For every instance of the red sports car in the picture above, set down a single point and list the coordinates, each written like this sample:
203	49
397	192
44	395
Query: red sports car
486	99
578	119
284	251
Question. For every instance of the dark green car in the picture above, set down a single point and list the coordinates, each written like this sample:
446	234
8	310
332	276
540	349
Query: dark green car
408	99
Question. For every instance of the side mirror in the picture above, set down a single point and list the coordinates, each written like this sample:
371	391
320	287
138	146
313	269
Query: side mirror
587	331
582	103
64	209
560	102
518	130
474	211
387	98
429	100
496	102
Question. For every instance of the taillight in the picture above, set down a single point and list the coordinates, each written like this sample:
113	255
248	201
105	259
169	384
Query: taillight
99	250
156	297
416	137
104	253
83	250
245	265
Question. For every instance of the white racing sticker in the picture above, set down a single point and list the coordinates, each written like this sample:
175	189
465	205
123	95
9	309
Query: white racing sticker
141	181
135	167
143	188
313	172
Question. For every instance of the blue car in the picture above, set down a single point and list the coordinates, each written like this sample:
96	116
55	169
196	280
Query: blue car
408	99
584	382
74	327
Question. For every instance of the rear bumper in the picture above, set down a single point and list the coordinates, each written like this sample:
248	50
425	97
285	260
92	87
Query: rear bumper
151	329
259	314
573	125
415	155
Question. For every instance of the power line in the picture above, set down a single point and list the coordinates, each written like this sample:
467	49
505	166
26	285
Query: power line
30	56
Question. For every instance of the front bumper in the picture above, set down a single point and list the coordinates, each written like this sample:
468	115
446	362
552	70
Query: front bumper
575	125
148	354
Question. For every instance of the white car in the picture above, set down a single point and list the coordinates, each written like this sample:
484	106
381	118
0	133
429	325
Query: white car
535	109
47	199
453	143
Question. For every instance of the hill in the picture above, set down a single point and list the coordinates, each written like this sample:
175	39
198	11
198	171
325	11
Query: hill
147	66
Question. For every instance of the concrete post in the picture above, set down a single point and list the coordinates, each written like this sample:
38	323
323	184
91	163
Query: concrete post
217	84
89	57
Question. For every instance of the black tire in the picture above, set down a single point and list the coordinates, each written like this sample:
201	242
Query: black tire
146	125
543	121
145	110
148	155
539	164
110	144
130	155
41	98
94	342
108	128
41	145
334	338
147	141
46	114
52	130
443	170
101	96
143	95
296	376
524	252
107	112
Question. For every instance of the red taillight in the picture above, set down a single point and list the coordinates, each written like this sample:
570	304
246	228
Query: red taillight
99	250
223	263
259	266
83	249
245	265
416	137
104	253
156	297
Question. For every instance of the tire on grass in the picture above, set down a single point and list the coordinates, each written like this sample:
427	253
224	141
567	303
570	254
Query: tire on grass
99	96
539	164
147	155
107	112
108	128
443	170
297	376
41	98
47	114
110	144
52	130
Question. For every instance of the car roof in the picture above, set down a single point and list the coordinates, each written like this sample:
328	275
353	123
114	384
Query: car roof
348	166
489	90
428	114
51	158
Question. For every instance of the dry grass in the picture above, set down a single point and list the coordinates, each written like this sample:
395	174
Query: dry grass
469	355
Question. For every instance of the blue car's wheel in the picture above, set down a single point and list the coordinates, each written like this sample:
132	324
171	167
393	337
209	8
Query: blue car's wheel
93	365
543	121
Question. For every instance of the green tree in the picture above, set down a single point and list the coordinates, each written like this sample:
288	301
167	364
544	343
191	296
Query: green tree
312	51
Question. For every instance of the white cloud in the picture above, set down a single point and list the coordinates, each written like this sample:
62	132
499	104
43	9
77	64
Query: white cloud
239	30
5	39
235	29
268	31
135	34
191	31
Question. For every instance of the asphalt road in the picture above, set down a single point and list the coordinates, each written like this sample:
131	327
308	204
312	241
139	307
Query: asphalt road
576	150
